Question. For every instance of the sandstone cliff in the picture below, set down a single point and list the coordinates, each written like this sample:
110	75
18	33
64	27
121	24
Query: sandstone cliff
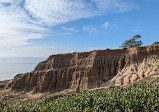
89	70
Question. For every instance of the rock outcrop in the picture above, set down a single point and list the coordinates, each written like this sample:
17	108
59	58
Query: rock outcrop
89	70
140	62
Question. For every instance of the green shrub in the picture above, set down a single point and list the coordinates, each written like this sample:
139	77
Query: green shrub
142	97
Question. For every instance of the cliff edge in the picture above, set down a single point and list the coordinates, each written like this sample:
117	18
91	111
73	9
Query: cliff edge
89	70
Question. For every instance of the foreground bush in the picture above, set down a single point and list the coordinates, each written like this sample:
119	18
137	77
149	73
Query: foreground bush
141	97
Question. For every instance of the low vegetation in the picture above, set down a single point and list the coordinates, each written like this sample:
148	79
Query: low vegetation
3	84
141	97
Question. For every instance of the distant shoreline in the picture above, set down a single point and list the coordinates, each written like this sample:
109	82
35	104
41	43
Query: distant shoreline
10	67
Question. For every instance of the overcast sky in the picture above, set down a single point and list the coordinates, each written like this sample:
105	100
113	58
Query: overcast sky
39	28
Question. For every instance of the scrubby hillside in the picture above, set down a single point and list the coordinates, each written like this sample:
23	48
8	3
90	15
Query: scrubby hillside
139	97
112	80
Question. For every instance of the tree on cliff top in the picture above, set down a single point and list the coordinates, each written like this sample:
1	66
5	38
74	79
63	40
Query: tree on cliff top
155	43
132	42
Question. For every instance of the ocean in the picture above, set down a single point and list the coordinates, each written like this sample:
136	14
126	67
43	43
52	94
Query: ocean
9	67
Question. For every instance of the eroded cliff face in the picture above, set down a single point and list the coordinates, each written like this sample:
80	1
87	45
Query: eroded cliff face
140	62
89	70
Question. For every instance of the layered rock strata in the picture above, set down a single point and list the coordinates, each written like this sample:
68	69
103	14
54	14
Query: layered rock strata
89	70
141	62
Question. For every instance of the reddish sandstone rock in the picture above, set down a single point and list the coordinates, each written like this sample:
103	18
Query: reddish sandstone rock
141	62
89	70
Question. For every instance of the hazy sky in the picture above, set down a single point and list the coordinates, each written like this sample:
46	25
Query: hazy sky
39	28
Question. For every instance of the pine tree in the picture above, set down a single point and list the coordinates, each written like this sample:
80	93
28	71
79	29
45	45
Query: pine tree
155	43
132	42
